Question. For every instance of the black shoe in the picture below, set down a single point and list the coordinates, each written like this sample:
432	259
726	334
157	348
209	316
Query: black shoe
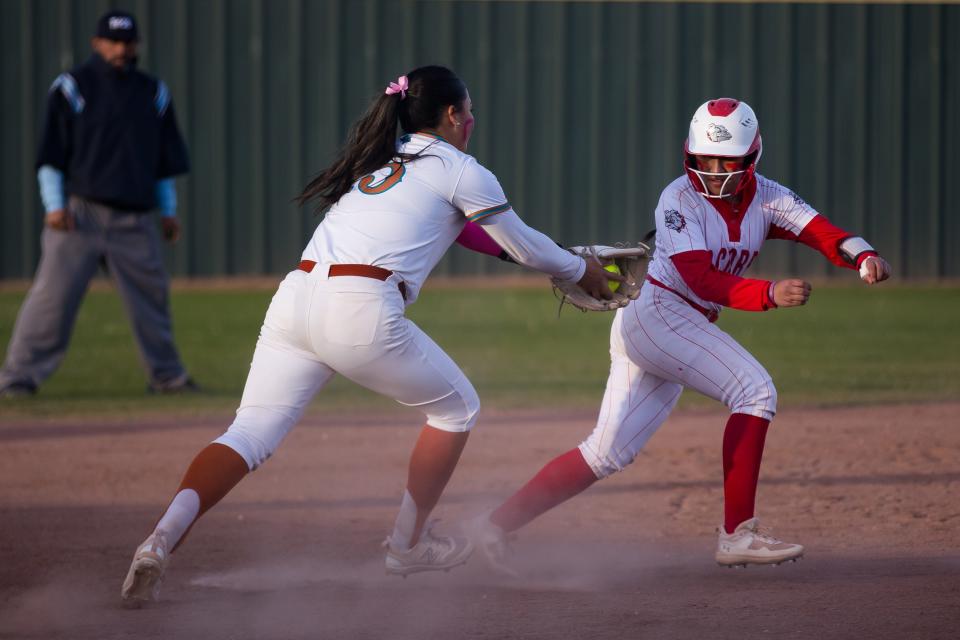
180	384
18	390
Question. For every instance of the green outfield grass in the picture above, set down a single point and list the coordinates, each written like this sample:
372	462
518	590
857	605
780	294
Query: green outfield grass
850	345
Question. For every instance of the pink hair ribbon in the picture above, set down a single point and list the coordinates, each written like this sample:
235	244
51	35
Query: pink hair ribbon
400	86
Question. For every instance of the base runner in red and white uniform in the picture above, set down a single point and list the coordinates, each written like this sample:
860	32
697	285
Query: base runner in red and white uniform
711	223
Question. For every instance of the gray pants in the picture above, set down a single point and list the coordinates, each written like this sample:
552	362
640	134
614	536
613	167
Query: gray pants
130	245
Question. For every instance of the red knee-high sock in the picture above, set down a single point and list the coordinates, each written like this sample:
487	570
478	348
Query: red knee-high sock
562	478
742	451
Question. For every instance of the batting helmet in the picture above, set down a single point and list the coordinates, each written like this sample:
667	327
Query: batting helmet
725	128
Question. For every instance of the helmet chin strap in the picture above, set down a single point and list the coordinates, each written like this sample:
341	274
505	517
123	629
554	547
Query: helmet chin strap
729	175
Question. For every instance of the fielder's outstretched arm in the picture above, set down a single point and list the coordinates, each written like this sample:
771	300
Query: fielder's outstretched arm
532	249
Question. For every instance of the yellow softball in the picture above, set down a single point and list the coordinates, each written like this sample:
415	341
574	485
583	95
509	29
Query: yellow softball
613	284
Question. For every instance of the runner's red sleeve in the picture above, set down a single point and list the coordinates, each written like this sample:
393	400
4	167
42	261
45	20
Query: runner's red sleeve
825	237
746	294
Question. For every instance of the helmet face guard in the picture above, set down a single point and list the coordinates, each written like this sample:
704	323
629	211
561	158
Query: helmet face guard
734	181
724	128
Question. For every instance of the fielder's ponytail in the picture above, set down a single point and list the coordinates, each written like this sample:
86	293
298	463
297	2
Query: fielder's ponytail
372	141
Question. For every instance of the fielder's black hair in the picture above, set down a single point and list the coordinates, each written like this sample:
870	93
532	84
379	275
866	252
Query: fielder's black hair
372	141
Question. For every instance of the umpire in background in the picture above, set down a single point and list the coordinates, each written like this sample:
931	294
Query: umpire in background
109	152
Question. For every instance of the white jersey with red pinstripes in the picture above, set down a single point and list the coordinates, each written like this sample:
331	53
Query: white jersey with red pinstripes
687	221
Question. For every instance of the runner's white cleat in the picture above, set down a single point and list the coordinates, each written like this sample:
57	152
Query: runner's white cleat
431	553
142	583
492	540
749	545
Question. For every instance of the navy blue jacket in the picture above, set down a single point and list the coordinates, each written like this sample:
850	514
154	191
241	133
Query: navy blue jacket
113	134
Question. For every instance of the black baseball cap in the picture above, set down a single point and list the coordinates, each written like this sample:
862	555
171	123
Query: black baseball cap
117	25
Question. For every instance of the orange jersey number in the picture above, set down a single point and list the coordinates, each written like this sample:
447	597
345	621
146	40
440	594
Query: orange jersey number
368	187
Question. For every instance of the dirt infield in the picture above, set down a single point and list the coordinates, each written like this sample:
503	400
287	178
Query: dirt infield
294	551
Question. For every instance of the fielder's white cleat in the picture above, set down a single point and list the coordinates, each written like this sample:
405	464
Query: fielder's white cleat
142	584
493	541
431	553
749	545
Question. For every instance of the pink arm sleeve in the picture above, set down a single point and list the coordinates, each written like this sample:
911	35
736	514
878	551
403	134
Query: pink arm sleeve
473	237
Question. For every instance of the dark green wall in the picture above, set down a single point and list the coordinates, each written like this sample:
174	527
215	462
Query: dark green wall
582	109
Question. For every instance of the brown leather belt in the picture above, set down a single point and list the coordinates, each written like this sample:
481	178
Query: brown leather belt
709	313
361	270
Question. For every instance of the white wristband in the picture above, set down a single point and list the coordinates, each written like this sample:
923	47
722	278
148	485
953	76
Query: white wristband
851	248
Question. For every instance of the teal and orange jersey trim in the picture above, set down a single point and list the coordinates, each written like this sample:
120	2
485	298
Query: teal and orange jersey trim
431	135
490	211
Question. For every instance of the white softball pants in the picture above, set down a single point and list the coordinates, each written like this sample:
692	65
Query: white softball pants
659	344
317	326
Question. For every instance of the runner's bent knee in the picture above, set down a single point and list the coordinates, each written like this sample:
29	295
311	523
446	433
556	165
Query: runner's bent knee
604	461
756	396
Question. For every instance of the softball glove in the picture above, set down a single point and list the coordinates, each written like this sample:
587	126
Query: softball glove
630	261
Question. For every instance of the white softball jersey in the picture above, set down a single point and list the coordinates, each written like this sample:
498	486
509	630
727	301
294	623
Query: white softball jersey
404	217
686	221
661	343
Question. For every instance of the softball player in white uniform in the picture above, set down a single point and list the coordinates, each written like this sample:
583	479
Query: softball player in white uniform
395	208
711	224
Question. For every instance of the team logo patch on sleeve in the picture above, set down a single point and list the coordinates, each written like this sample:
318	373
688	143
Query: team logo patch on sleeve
674	220
717	132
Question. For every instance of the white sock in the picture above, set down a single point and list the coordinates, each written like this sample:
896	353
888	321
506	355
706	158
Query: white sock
179	516
405	524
